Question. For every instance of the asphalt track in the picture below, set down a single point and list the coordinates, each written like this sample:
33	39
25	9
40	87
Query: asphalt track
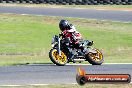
125	16
52	74
49	73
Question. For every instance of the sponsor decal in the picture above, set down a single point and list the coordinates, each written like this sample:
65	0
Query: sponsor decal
83	78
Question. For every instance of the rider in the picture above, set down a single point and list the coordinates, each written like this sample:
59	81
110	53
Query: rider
70	34
72	37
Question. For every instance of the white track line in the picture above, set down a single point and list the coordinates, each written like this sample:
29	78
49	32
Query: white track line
103	9
114	10
49	84
82	64
117	63
102	64
11	85
38	85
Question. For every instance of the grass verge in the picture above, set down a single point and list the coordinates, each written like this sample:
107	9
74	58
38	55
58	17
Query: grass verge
26	39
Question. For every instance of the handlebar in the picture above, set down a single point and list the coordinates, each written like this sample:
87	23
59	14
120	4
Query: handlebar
60	34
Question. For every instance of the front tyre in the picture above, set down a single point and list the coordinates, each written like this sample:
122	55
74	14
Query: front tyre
95	58
56	59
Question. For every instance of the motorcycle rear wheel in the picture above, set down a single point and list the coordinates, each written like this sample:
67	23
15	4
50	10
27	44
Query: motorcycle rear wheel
56	59
95	59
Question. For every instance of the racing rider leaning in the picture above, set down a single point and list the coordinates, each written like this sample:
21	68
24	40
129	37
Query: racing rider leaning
71	35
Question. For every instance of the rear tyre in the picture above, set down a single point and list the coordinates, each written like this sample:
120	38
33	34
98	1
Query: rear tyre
56	59
95	58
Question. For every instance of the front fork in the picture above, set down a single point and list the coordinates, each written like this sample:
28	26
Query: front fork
59	50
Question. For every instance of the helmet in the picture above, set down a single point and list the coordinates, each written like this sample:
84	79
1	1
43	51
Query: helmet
63	24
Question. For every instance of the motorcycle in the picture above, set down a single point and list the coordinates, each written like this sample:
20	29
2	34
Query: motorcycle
60	54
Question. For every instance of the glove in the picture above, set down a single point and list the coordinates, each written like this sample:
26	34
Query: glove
90	43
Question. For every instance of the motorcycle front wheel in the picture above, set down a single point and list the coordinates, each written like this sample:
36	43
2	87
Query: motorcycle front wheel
56	59
95	58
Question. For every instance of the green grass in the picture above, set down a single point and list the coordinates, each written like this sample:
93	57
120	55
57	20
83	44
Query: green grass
27	39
